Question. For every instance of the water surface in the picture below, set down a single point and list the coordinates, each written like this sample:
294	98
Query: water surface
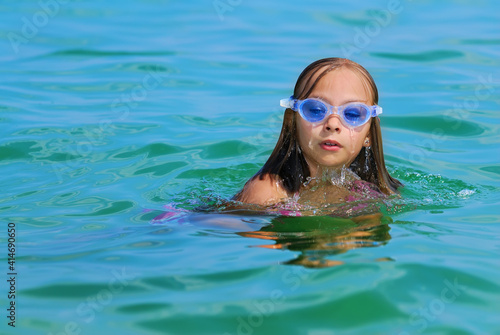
112	110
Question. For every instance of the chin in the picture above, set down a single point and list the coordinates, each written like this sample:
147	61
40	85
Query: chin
335	165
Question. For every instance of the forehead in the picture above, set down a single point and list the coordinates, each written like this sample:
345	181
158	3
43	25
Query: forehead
342	84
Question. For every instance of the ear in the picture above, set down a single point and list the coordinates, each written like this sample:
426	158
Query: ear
367	142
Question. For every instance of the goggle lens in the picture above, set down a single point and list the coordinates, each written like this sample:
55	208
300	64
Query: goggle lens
313	110
356	115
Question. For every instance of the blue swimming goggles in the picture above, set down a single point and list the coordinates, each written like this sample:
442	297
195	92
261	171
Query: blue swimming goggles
313	110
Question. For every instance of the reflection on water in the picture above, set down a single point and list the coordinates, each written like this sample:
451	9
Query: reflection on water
318	238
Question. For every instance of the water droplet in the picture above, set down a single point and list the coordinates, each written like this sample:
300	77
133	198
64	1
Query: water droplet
351	131
367	160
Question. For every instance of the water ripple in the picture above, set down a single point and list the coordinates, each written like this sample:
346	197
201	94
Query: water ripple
427	56
107	53
150	151
447	126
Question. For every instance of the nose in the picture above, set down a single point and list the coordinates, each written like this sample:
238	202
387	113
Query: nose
332	124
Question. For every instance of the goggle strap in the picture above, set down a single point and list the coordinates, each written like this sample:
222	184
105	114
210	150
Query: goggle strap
288	103
377	110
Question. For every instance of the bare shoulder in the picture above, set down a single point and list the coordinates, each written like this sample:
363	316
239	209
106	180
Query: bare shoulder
263	191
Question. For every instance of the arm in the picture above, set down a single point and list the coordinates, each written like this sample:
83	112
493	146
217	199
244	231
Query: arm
265	191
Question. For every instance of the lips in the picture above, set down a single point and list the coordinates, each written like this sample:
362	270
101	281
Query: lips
330	145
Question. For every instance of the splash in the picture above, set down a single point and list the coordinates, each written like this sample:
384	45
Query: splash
423	191
366	167
339	193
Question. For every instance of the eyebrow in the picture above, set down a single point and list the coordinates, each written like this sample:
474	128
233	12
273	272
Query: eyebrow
348	101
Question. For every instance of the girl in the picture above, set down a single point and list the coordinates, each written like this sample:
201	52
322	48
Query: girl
330	128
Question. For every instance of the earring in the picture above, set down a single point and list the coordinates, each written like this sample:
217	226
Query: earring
367	141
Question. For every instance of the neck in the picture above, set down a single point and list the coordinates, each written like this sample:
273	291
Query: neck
331	175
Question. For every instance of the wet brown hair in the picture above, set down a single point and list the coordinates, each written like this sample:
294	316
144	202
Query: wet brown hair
287	162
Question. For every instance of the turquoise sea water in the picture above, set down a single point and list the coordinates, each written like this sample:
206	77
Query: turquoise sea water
111	110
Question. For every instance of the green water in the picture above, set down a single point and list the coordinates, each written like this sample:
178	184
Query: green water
112	110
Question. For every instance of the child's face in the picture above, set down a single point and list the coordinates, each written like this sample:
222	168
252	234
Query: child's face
337	88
